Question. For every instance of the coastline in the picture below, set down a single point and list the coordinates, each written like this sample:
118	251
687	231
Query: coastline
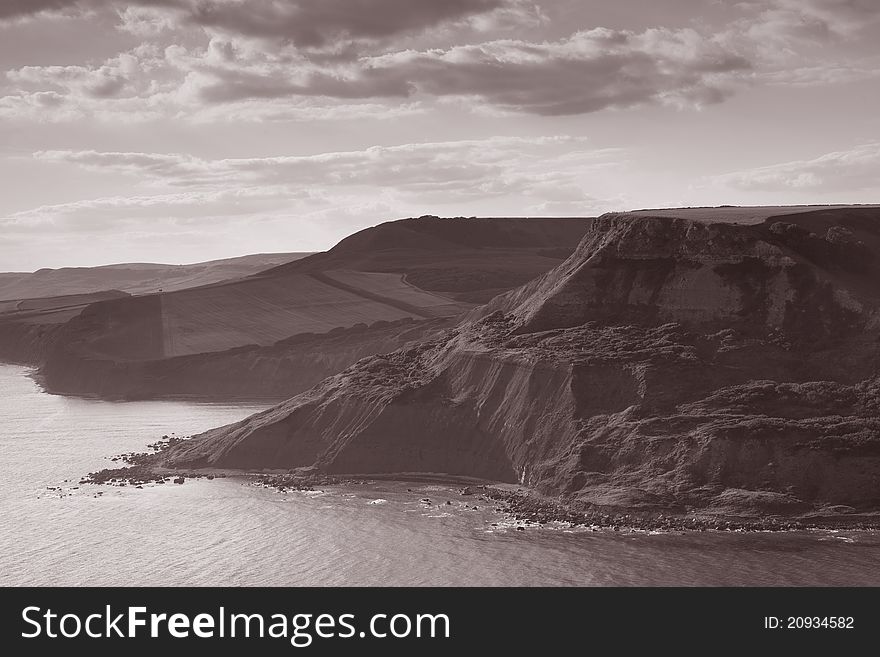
516	502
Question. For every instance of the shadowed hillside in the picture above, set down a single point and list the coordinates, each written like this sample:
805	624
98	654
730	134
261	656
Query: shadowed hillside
467	259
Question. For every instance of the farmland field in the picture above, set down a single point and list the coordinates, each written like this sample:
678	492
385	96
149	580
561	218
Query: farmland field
135	278
53	310
263	311
394	286
420	269
735	214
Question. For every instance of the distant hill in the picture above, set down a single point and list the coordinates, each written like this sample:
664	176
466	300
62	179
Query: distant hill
467	259
134	278
752	214
415	270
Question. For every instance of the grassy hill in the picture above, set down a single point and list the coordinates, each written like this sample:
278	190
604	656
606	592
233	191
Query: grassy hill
134	278
416	269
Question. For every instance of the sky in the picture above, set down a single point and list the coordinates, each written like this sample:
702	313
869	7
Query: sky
187	130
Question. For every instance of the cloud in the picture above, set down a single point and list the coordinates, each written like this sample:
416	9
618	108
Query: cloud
444	172
306	202
145	22
587	72
301	57
313	61
134	73
493	166
826	17
824	74
11	9
309	24
178	227
786	28
508	173
805	42
182	208
853	170
319	24
185	227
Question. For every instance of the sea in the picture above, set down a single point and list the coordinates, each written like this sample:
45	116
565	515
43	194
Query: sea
232	532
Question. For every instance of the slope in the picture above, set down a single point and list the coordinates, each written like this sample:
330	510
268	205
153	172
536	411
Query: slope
370	279
134	278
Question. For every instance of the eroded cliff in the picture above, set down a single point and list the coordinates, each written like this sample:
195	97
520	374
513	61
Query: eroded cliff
667	364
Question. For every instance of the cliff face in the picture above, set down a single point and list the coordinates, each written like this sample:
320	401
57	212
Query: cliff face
667	363
755	279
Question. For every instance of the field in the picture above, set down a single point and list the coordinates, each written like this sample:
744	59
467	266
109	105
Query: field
394	286
52	310
739	215
263	311
416	268
135	278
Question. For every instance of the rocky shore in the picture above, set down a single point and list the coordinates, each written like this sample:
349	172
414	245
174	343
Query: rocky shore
517	503
532	509
139	469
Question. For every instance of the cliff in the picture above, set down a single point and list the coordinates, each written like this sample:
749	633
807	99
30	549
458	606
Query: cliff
668	364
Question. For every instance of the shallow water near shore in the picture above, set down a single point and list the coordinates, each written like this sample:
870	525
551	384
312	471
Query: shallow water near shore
230	532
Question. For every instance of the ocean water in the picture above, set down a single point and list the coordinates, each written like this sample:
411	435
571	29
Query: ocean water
230	532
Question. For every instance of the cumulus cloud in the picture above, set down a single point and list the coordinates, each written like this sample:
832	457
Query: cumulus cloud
806	42
307	54
316	24
587	72
853	170
145	21
130	86
136	72
786	31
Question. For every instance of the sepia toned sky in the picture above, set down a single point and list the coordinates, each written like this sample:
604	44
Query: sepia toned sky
187	130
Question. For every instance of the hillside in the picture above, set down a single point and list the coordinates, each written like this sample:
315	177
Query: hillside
134	278
56	309
421	270
467	259
669	365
